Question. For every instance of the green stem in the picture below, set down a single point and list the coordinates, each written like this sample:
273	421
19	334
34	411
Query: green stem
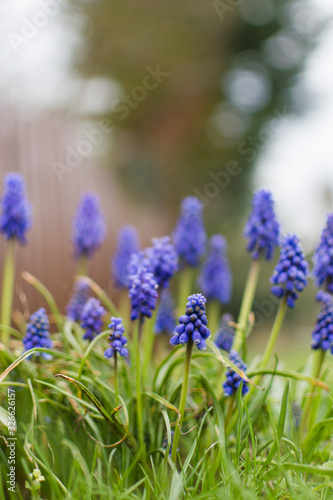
185	285
247	302
229	412
280	315
279	318
214	315
182	403
148	345
82	266
310	409
138	383
115	376
8	288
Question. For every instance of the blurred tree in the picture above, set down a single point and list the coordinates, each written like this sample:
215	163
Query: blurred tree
227	69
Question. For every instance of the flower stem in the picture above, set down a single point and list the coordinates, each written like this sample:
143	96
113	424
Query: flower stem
279	318
248	297
138	384
185	285
115	376
148	345
274	333
82	266
182	403
310	409
8	288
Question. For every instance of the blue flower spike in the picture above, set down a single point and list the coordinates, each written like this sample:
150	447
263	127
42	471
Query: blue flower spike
163	260
88	226
291	272
323	258
92	318
116	339
193	324
322	335
15	218
38	333
226	333
233	379
143	294
262	228
80	296
215	279
127	244
165	320
189	236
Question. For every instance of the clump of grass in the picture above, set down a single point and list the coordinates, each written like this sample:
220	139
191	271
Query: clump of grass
167	422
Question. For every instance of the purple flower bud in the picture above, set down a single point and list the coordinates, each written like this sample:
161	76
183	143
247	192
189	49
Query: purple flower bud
287	283
262	228
189	236
127	244
91	318
195	310
233	380
143	294
116	339
38	333
88	226
215	279
15	218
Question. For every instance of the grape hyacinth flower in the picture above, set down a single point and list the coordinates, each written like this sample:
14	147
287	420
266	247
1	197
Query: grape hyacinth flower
127	244
262	228
215	279
116	339
322	335
80	296
143	294
193	324
323	257
15	219
91	318
233	379
165	320
88	226
189	236
291	272
226	333
38	333
163	260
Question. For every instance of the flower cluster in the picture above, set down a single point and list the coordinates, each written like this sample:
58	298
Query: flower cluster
143	294
215	279
226	333
323	257
165	320
80	296
290	274
15	219
116	339
322	335
233	379
163	260
91	318
88	226
127	244
193	324
189	235
38	333
262	228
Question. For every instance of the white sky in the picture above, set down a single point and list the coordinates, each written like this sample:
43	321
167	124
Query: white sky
297	165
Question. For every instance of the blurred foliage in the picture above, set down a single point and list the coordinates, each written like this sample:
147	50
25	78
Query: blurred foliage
232	67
